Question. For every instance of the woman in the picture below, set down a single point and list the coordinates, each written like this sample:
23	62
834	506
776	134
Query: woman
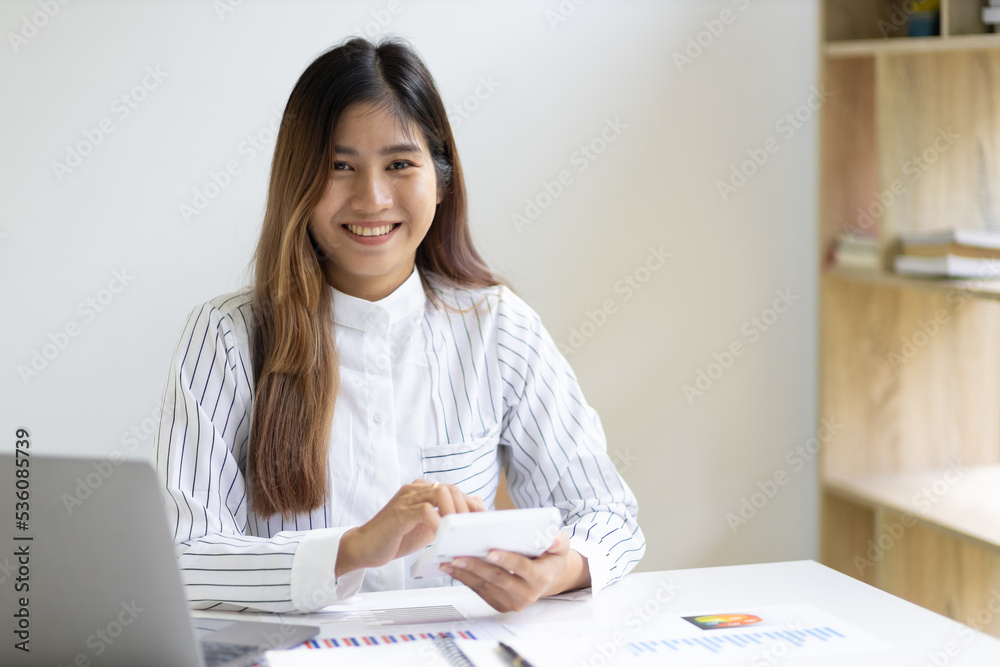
375	347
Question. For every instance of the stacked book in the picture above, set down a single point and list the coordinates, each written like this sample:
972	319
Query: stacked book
991	14
952	253
855	252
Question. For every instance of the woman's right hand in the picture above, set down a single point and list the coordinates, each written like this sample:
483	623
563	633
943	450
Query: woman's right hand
407	523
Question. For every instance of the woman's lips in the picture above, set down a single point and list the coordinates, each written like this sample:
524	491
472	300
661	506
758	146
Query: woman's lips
371	230
372	234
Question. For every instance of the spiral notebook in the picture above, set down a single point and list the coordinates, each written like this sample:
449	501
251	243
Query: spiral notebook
438	652
452	653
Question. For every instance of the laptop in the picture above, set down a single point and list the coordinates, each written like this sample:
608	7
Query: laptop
88	574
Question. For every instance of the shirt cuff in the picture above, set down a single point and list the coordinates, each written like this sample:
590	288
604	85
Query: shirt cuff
597	562
314	581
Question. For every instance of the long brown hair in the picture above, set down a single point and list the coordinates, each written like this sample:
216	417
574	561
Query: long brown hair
295	360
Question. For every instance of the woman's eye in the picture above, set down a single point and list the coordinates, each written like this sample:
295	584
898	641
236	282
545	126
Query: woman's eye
340	166
399	164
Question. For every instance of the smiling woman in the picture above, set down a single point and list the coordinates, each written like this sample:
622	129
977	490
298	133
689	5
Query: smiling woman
375	347
381	168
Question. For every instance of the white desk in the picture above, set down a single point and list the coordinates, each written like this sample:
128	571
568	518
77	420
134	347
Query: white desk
918	637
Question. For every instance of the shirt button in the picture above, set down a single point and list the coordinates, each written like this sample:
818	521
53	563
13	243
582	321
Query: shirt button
377	417
372	317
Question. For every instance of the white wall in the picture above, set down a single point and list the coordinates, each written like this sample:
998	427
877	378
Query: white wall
555	86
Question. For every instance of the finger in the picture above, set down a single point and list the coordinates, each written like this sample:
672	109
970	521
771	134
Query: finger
476	503
478	585
420	527
511	562
459	499
500	589
429	515
560	544
497	575
539	573
412	518
441	497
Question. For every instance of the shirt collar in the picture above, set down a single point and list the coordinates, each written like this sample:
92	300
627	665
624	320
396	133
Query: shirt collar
376	316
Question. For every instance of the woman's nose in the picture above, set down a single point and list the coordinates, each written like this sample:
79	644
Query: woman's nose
371	194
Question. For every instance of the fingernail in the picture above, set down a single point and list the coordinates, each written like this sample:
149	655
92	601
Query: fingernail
458	562
493	557
444	567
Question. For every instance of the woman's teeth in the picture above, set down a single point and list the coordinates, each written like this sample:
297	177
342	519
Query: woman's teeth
370	231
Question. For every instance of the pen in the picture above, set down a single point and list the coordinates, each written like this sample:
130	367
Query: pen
515	658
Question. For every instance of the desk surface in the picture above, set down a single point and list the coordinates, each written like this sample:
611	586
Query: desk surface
918	637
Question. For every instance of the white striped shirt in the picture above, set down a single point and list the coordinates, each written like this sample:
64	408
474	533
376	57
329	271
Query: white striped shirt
447	395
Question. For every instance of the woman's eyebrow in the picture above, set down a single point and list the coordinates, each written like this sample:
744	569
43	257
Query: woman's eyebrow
388	150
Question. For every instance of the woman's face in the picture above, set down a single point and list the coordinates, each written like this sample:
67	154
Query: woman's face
378	203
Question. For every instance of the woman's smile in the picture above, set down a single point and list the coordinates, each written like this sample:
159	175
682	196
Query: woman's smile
371	233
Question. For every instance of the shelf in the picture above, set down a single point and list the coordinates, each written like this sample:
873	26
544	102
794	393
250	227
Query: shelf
964	501
856	48
981	289
910	365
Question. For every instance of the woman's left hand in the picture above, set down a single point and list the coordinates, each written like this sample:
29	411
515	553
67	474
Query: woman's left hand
510	581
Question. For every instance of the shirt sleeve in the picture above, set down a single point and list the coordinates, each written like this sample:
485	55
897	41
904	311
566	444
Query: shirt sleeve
200	453
556	448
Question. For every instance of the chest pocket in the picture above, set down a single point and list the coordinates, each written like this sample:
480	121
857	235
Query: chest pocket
473	466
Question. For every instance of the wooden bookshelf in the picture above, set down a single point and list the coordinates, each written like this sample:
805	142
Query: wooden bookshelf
910	368
959	500
975	289
854	48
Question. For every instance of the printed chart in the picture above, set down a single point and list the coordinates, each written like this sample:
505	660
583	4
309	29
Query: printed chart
376	640
754	636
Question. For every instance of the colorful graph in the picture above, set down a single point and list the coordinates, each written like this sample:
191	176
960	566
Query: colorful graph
719	644
375	640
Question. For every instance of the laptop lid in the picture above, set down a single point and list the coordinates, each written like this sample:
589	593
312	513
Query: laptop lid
88	574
